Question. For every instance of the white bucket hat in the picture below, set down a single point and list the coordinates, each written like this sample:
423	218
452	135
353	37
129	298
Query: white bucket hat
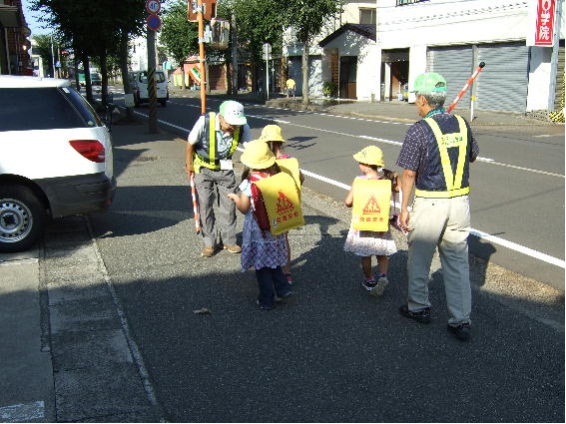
233	112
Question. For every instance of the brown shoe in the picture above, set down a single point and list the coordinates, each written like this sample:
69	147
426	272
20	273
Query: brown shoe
207	252
233	248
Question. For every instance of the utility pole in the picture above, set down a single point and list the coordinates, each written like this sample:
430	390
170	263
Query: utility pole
202	57
153	24
234	55
53	59
151	63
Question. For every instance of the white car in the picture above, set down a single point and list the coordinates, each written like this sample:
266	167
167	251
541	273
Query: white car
56	159
140	83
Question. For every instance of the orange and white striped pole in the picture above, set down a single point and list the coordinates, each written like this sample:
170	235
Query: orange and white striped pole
195	202
466	86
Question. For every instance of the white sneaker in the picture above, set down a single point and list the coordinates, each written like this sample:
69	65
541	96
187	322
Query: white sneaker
382	282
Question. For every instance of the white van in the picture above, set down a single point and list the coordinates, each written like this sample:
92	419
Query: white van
139	81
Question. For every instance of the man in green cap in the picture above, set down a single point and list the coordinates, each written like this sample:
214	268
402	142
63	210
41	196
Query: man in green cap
435	158
211	144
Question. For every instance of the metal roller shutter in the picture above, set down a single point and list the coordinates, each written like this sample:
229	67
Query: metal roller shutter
455	65
559	92
502	85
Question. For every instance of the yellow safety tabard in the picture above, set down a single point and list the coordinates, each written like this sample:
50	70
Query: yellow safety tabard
282	203
372	201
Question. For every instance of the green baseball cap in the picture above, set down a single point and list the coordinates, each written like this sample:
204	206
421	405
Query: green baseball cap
429	82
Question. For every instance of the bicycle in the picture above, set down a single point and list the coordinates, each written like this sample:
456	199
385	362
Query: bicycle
109	107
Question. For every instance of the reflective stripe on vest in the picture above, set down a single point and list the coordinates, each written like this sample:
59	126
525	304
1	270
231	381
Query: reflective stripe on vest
208	157
444	142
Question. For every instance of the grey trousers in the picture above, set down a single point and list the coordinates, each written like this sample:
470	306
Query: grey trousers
212	188
442	224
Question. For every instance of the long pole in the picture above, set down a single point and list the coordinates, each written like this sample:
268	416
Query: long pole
53	58
203	76
195	202
465	88
267	76
152	90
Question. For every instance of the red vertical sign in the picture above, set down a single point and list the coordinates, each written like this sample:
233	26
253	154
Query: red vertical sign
544	35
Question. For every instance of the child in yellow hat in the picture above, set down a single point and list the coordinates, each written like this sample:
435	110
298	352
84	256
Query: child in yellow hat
260	249
273	136
368	243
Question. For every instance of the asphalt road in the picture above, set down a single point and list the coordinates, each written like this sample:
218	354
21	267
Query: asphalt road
517	183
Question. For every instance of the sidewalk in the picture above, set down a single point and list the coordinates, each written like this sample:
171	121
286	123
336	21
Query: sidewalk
26	386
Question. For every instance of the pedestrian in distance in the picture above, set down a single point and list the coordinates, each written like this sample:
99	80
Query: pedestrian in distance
370	234
273	136
435	157
291	86
261	250
211	144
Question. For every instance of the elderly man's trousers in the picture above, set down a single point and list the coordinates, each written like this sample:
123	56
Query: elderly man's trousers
213	188
442	224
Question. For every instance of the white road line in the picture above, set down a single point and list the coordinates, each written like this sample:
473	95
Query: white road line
23	413
478	233
519	248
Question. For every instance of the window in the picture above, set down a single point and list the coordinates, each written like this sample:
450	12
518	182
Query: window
44	109
367	16
403	2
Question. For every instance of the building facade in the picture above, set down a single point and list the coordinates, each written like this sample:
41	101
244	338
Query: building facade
375	50
452	37
14	45
343	58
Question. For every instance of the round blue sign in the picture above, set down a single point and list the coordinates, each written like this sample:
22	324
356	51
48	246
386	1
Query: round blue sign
154	22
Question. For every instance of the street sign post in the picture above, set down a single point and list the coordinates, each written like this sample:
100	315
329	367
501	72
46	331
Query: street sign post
266	53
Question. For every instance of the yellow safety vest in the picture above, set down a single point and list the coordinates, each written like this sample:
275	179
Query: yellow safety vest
282	202
206	154
372	202
445	141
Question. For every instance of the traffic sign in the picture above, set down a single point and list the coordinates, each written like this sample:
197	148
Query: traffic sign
153	22
153	6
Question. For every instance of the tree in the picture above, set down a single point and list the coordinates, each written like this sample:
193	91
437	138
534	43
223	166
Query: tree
308	18
178	35
42	48
95	29
255	22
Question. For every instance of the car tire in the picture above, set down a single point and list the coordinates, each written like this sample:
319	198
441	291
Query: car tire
22	216
163	103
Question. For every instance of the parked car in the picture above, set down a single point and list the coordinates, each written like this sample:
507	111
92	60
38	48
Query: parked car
95	79
139	81
56	158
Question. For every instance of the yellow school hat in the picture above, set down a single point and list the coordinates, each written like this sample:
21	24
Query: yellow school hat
257	155
371	155
272	133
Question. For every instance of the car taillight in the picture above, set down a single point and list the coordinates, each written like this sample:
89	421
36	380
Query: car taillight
93	150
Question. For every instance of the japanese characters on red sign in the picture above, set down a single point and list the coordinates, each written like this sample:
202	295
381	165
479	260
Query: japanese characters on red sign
544	35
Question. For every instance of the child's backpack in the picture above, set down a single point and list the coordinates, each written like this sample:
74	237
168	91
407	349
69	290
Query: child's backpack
259	206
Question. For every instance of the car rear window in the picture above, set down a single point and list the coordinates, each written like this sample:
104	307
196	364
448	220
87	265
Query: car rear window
44	108
159	77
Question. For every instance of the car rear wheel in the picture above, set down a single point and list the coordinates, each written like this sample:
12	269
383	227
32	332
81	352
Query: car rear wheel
22	216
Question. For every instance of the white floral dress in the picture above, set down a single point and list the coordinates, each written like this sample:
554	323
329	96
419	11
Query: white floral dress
260	249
